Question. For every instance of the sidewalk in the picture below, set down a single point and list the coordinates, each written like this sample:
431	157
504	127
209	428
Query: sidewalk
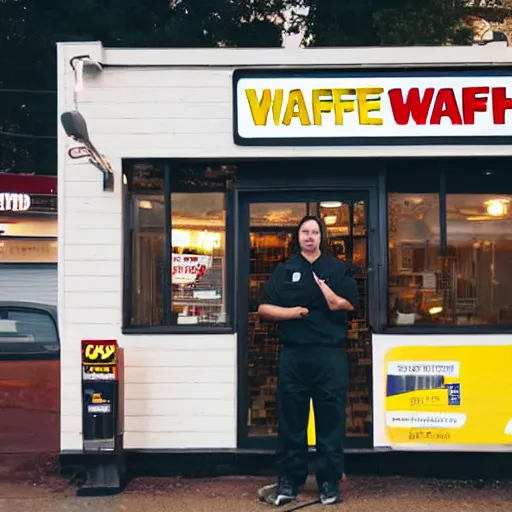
237	494
33	484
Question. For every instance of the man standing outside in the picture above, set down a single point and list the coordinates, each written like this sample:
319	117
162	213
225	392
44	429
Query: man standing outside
309	296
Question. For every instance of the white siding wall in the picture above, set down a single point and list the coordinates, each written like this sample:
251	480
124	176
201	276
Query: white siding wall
181	390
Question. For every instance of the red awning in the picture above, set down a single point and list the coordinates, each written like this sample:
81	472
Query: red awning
28	184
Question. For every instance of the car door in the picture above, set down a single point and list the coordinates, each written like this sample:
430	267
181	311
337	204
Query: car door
29	379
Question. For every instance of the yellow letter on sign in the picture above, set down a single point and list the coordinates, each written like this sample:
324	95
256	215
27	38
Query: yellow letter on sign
365	105
321	105
296	99
92	352
261	108
342	105
109	350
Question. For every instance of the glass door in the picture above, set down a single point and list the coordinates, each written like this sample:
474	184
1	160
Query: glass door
271	225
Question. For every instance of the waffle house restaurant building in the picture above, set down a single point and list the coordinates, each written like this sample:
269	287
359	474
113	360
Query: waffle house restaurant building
217	154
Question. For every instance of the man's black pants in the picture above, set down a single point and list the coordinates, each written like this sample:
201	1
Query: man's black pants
320	374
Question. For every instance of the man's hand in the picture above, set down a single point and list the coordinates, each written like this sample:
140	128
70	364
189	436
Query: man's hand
300	311
319	281
280	314
334	302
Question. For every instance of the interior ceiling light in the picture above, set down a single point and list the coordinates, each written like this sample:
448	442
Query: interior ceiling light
497	207
330	204
145	205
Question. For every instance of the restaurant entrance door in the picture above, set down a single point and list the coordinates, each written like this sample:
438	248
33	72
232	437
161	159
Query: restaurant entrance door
266	227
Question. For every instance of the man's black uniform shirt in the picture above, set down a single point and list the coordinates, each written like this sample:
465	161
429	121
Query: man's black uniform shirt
293	284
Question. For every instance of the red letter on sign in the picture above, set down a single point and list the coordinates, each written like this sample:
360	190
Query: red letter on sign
472	104
445	105
402	110
500	103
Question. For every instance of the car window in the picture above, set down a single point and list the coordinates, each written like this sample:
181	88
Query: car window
23	325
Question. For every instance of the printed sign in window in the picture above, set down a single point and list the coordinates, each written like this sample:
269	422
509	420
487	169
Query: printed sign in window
189	268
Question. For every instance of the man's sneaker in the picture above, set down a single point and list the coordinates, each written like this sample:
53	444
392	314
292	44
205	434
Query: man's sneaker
267	493
330	493
278	494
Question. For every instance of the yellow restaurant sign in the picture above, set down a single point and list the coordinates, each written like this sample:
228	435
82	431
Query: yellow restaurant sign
337	107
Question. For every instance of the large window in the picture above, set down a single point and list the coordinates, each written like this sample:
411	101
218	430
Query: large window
450	244
176	270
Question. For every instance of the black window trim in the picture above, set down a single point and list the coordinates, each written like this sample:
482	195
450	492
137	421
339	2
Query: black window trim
382	326
127	328
444	329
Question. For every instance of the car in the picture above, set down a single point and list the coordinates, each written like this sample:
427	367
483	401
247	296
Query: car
29	378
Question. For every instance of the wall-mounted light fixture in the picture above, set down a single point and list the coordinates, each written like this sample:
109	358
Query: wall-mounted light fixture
76	127
87	62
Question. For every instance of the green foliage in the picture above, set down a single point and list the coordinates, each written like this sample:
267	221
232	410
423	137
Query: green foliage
30	29
382	22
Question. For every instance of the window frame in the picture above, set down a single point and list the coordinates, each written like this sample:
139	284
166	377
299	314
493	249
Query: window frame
442	192
129	198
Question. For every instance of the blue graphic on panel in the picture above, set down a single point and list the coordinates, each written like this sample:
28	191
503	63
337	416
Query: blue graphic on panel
453	394
398	384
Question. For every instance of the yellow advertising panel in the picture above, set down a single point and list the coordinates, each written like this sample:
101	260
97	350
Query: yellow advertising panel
443	394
